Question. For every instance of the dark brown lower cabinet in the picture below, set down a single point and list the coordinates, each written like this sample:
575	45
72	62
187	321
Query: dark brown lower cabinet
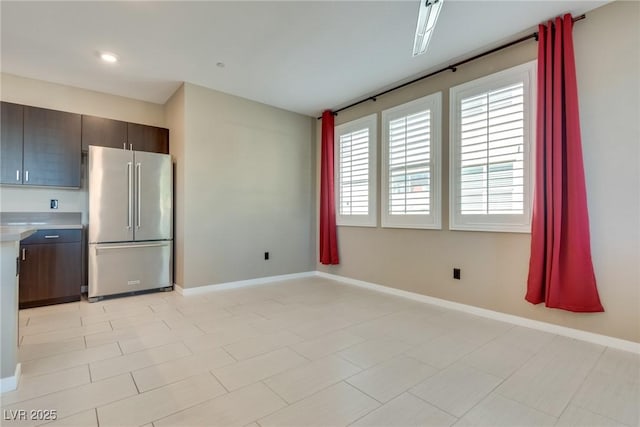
50	268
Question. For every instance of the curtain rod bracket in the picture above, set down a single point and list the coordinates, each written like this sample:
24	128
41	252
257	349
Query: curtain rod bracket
453	69
535	36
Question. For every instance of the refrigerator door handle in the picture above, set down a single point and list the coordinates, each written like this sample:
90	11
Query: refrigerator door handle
138	185
129	195
148	245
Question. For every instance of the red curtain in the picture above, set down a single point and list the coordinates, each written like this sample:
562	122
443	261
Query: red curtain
560	268
328	233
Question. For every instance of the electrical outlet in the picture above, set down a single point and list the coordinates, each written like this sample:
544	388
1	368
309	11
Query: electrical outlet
266	256
53	204
456	273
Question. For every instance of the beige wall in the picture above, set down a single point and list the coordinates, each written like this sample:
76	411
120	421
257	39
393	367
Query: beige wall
246	187
175	121
39	93
494	265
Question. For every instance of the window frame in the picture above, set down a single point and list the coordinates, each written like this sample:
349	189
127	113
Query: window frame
519	223
370	220
433	220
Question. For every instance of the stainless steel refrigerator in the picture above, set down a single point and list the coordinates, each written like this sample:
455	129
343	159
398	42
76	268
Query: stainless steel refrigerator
130	221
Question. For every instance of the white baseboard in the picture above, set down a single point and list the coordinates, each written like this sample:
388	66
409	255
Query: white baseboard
241	283
11	383
604	340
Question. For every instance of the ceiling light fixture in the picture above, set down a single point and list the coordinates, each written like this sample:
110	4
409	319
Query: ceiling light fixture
427	17
108	57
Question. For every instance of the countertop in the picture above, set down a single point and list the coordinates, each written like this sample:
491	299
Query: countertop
15	233
42	220
41	226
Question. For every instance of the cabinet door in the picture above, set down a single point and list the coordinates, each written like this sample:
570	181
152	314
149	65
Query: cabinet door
11	126
51	147
49	274
103	132
148	138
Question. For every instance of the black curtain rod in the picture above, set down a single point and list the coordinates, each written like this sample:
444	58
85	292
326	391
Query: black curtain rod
452	67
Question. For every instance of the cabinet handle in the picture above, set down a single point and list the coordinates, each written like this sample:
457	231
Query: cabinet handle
24	254
130	146
124	145
17	174
52	236
26	176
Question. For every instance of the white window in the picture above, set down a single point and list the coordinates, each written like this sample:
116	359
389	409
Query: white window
491	133
355	171
411	164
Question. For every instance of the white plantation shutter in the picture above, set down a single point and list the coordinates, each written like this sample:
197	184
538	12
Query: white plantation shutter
355	172
492	152
491	125
411	164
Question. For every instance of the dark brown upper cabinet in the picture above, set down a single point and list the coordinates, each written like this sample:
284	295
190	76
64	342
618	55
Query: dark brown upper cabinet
103	132
11	127
52	148
118	134
148	138
40	147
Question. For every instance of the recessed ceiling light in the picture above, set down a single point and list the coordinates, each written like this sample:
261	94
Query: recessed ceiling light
108	57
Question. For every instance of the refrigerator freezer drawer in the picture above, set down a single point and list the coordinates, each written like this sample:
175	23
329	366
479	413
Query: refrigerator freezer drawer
116	268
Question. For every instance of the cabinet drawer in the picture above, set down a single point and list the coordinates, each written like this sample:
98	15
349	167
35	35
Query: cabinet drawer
53	236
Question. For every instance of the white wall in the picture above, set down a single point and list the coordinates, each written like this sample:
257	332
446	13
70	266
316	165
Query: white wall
494	265
43	94
246	186
175	121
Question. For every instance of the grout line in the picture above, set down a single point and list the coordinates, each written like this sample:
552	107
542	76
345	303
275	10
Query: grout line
354	364
364	392
232	356
120	348
225	350
277	394
134	382
430	403
613	421
575	392
530	407
55	391
218	379
300	354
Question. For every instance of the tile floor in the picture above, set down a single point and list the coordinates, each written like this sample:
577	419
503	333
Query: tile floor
308	352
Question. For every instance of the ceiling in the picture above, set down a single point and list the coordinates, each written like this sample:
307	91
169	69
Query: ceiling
302	56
